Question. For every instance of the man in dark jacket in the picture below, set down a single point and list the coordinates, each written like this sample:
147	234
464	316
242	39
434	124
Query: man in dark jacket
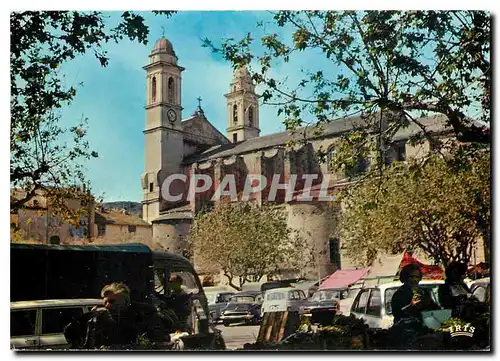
456	295
407	303
409	300
118	323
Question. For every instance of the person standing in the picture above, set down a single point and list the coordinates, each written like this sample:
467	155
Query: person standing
410	300
455	294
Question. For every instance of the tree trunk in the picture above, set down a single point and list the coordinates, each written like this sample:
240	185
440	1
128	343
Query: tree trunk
230	280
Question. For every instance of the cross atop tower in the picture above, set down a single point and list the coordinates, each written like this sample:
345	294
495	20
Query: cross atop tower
199	112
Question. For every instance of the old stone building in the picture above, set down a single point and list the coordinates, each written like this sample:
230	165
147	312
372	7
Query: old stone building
38	221
192	145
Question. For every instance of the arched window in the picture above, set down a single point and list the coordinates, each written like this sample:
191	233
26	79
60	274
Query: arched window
235	114
153	89
329	158
250	116
171	90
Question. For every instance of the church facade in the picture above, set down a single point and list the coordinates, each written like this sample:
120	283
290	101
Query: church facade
193	146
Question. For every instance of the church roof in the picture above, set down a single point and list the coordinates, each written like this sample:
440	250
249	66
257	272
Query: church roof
333	128
269	141
200	135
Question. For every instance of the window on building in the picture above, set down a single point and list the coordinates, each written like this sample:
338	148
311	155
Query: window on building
330	155
101	229
84	227
171	90
235	114
250	116
131	229
401	152
22	323
151	186
235	137
334	248
358	168
153	89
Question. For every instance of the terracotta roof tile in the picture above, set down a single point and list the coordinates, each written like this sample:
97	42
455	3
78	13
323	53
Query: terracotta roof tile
119	218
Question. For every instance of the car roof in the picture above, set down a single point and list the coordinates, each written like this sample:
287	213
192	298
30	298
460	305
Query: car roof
247	293
395	284
127	247
218	292
283	289
18	305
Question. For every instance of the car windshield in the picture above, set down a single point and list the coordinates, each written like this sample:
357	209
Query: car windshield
433	289
326	295
242	299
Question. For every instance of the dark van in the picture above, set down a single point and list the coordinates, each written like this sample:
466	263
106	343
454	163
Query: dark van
40	272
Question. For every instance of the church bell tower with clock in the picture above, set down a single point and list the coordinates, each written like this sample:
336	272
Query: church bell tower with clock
163	133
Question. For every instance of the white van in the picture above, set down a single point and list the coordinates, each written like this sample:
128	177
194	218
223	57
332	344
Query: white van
40	324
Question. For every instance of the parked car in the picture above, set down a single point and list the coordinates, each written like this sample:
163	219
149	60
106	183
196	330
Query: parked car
284	299
242	307
346	303
373	304
40	324
481	288
217	301
324	300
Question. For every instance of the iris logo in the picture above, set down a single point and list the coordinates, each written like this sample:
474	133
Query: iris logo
461	330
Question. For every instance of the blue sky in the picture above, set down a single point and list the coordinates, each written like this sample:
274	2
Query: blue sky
113	98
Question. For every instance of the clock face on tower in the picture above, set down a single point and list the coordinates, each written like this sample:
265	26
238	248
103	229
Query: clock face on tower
171	115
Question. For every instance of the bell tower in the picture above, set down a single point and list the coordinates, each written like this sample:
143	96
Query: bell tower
242	107
163	138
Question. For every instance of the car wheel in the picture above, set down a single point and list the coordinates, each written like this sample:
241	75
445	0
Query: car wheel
226	324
